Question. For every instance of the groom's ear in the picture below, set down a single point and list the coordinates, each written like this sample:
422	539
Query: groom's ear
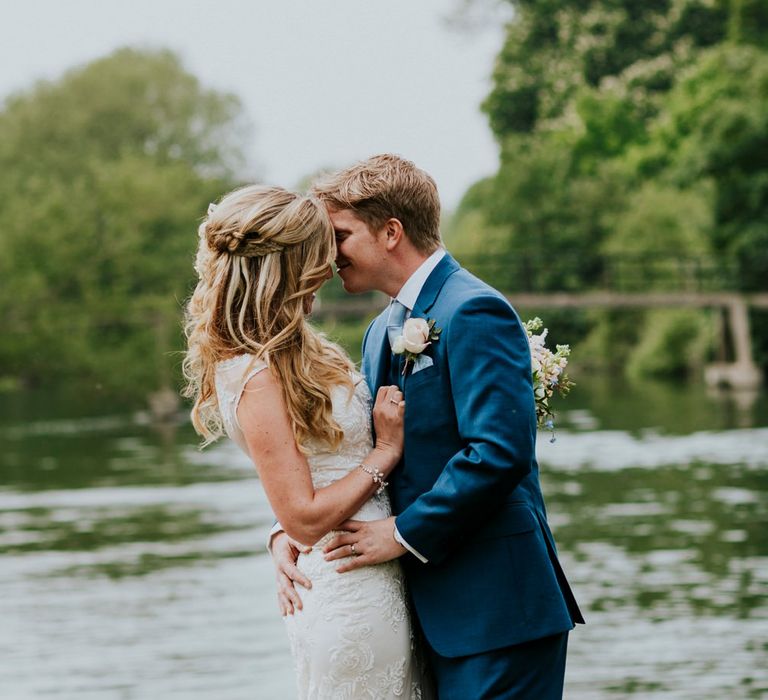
395	233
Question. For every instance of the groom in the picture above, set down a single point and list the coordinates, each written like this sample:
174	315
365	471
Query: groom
470	525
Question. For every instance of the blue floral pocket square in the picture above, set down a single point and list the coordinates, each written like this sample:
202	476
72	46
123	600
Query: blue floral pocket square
421	362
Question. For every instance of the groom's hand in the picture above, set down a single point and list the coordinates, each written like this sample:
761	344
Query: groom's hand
285	553
364	543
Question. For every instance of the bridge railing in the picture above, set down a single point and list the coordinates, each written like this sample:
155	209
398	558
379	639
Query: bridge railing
585	280
577	271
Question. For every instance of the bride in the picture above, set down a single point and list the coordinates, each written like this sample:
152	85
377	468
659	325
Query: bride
294	403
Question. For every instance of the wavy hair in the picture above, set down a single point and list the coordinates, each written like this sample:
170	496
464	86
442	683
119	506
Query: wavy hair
262	252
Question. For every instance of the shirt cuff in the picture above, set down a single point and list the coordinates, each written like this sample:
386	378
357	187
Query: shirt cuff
277	527
399	538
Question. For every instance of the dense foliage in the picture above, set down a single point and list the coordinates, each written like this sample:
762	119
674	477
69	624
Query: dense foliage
633	139
633	143
104	175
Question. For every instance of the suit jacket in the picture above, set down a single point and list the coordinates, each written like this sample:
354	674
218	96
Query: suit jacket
466	494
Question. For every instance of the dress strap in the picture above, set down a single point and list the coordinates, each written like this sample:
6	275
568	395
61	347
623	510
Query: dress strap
255	366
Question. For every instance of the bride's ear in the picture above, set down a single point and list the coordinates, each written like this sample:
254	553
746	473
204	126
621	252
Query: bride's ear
395	233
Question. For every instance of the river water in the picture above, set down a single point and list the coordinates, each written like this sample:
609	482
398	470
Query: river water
133	565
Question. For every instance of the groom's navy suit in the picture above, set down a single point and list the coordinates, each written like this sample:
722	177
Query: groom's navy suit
467	494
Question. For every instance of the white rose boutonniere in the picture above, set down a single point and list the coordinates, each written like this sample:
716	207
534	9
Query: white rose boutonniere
418	334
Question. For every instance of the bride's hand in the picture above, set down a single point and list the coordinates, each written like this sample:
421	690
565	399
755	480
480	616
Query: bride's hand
285	551
388	421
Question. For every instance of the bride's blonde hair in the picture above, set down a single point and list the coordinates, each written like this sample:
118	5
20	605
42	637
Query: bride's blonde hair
262	251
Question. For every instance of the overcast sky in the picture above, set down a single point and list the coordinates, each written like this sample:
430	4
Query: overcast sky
324	82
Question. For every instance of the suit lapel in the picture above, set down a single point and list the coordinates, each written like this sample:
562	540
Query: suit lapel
377	347
429	292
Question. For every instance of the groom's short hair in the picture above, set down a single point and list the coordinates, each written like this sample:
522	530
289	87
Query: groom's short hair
385	187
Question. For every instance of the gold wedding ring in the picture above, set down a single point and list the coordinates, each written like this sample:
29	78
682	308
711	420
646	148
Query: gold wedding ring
393	401
354	551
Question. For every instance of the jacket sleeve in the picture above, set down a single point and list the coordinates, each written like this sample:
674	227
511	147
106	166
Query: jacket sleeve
489	366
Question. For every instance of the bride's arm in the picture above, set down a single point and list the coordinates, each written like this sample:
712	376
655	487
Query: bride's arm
307	514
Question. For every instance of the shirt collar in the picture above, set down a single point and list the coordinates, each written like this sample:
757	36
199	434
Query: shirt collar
410	291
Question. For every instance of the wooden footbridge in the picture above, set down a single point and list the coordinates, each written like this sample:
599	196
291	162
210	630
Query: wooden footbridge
647	284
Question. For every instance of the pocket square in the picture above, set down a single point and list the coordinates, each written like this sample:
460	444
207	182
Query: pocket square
421	362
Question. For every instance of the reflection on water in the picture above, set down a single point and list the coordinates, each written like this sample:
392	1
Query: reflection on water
134	565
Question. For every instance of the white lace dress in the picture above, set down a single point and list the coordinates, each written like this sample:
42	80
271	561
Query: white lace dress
353	639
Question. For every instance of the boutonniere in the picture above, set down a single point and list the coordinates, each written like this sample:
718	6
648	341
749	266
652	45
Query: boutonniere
418	334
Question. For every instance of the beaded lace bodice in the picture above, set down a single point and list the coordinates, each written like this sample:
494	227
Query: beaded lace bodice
352	412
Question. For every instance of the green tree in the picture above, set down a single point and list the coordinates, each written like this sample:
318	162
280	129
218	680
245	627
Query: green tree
104	176
575	86
554	48
631	139
663	237
715	130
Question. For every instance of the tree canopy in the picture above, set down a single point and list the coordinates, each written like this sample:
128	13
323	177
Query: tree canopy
104	176
628	131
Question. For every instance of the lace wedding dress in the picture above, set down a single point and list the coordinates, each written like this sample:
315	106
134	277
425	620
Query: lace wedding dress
353	639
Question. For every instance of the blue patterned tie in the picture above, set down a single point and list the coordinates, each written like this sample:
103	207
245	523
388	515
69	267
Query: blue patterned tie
397	313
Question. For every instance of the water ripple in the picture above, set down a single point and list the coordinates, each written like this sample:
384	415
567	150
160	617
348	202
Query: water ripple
614	450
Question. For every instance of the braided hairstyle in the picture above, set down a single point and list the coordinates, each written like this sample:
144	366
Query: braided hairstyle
262	252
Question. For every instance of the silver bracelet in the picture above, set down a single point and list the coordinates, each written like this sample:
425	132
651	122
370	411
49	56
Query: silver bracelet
376	474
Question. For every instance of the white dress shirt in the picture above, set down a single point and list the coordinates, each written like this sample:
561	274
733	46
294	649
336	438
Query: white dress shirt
410	291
